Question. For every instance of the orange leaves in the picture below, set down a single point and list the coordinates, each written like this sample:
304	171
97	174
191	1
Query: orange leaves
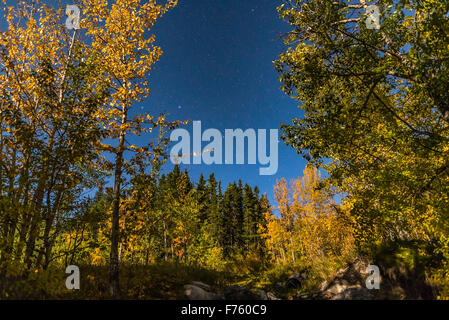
308	223
118	32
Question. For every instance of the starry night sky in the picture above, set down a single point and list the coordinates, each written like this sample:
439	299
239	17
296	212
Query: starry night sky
217	67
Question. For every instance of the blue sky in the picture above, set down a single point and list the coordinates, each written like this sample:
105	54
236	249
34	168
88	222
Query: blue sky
217	67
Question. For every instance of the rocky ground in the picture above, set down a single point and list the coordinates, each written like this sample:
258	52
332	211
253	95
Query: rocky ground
348	283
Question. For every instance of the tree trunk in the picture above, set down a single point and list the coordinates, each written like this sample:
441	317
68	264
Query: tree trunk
115	228
292	244
38	198
165	242
49	220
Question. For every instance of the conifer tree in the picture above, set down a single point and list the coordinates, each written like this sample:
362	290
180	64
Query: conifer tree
201	194
251	218
214	220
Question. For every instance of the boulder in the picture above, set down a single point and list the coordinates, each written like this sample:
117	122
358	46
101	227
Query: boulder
309	296
336	289
271	296
281	285
353	293
296	280
240	293
348	283
198	292
202	285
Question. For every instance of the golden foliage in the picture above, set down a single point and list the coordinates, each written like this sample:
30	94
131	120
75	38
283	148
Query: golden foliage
310	225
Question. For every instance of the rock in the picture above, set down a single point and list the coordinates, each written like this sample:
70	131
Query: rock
336	289
281	285
239	293
262	294
300	276
201	291
353	293
309	296
296	280
324	285
202	285
348	283
194	292
271	296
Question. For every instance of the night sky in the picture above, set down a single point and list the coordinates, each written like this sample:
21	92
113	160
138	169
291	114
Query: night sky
217	67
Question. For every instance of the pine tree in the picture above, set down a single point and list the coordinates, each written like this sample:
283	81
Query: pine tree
214	221
201	195
263	207
227	238
250	203
239	216
233	218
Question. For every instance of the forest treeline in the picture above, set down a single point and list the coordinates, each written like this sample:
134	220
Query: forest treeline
171	219
176	219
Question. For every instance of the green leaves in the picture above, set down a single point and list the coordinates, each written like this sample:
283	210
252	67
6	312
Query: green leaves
375	108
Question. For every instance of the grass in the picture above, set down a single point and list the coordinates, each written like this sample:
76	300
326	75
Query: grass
157	281
164	280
